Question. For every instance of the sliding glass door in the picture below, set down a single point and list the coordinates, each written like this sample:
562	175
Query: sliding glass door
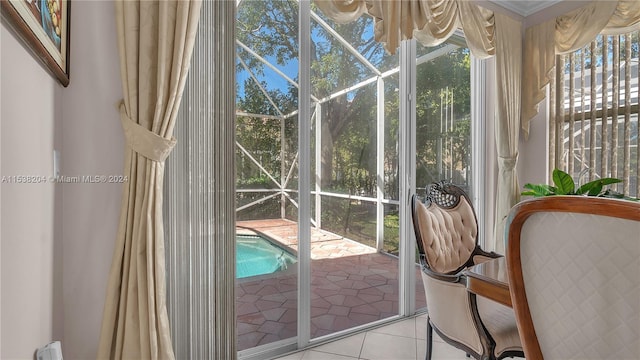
328	135
354	271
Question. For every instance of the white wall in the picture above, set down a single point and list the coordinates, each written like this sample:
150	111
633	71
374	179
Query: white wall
42	224
93	145
30	105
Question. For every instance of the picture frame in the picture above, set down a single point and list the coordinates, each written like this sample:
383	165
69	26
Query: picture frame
44	27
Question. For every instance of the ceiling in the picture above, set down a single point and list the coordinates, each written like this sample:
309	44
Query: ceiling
525	7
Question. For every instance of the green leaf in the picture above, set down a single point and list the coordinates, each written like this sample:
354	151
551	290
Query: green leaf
609	181
564	183
538	190
585	188
595	190
594	187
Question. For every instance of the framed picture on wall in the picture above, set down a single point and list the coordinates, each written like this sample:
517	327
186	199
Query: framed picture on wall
44	26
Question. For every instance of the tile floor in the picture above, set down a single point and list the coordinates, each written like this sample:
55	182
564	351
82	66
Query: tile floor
403	340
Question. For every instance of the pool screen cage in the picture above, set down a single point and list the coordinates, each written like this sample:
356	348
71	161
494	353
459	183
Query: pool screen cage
354	168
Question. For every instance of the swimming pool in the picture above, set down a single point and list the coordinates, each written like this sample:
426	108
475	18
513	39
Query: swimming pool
258	256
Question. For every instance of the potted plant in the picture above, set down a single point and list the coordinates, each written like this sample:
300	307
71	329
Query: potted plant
564	185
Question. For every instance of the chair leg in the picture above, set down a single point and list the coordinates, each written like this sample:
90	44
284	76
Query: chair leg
429	339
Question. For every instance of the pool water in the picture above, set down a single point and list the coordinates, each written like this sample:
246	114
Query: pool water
258	256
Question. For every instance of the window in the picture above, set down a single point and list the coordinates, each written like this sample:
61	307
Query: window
595	129
443	115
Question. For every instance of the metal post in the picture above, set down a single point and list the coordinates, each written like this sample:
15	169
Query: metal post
407	141
283	171
304	175
439	149
318	165
380	168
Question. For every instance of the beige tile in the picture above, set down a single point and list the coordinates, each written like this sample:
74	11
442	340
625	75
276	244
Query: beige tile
421	327
441	351
379	346
318	355
405	328
349	346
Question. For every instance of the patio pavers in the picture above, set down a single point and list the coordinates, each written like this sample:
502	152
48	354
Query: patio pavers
351	284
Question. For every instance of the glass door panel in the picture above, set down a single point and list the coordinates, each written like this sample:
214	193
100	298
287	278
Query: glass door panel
443	121
266	171
354	269
443	116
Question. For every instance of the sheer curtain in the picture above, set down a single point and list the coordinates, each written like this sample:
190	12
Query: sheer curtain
155	42
487	34
565	34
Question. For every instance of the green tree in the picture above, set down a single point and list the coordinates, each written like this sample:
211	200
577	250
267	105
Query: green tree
443	92
450	71
348	149
261	136
270	29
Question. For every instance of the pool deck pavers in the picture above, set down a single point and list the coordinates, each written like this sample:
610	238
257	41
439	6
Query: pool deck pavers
351	284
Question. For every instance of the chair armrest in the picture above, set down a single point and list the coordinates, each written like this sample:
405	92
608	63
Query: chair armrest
478	251
479	256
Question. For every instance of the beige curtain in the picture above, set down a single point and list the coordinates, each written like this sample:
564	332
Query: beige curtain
565	34
507	126
430	21
155	42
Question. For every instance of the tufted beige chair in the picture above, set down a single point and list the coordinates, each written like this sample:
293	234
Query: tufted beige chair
573	264
447	237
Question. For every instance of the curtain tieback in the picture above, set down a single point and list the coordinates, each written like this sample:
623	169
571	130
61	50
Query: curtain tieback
507	163
145	142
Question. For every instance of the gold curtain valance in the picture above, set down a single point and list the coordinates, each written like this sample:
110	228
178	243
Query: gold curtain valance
429	21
